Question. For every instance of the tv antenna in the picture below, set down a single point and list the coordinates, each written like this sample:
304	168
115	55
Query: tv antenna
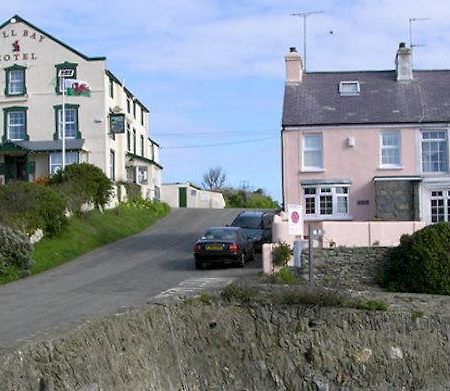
411	43
304	15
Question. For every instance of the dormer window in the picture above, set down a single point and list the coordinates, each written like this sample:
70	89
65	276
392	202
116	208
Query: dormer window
349	88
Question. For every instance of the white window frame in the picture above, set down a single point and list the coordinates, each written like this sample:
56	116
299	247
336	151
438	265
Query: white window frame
441	196
142	175
343	84
16	86
22	125
422	141
321	191
69	122
391	147
306	149
55	160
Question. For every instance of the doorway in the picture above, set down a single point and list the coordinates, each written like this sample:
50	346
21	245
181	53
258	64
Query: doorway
15	168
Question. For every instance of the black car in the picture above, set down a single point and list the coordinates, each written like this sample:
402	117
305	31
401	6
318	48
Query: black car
257	225
223	245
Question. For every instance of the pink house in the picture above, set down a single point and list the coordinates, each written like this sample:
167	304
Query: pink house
367	145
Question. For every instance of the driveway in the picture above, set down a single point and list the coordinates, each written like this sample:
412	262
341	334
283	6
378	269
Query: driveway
123	274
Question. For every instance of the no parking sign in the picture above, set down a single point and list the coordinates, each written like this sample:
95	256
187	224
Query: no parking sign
295	219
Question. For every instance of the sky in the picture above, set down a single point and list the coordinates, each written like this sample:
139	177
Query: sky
212	71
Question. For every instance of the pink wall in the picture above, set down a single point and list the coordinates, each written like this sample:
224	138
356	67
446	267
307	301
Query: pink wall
359	163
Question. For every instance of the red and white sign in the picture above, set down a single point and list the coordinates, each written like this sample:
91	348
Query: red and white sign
295	219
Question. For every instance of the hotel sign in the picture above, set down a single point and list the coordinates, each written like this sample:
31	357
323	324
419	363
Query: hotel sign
18	36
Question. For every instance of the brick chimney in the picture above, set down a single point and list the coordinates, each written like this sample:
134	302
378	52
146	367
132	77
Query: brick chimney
294	66
403	63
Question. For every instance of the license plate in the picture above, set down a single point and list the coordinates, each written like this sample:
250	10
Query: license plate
214	247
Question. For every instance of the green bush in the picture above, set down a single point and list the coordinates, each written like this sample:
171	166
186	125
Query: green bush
28	206
82	184
281	254
235	292
286	275
15	253
421	262
159	208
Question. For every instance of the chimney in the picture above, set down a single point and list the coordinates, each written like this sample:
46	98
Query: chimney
294	66
403	63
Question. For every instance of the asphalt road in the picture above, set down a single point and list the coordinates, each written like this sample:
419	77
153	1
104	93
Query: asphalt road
123	274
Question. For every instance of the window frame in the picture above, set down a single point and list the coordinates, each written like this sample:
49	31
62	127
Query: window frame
344	83
308	149
445	198
8	71
58	109
390	147
321	197
111	88
434	140
112	165
6	131
51	156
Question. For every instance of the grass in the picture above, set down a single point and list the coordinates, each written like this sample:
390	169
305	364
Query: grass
93	230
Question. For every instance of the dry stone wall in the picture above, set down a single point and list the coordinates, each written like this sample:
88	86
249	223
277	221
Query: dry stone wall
220	346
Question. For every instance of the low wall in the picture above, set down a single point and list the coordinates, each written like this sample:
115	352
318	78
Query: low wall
221	346
367	233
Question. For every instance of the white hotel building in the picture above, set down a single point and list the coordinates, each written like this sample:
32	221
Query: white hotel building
31	111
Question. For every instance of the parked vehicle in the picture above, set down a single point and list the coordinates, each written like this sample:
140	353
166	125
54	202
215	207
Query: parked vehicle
223	245
257	226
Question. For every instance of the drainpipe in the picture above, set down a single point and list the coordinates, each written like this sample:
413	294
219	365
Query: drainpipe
282	170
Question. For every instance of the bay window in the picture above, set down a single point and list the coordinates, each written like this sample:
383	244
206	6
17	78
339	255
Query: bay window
326	201
56	160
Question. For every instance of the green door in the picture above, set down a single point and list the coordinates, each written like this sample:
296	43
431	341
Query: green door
182	197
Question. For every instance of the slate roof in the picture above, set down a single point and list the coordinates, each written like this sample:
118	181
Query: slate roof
51	145
382	100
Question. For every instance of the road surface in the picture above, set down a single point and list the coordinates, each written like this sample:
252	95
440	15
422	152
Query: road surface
123	274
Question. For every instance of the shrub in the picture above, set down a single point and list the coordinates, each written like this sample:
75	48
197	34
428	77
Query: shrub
82	184
27	207
314	296
370	305
286	275
235	292
281	254
421	262
160	208
15	253
133	191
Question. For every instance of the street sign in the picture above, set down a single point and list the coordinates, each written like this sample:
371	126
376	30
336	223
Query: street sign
295	219
66	73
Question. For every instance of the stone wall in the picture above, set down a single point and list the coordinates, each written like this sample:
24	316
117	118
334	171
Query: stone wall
355	268
396	200
219	346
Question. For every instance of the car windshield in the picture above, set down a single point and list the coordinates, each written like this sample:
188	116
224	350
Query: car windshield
220	234
248	222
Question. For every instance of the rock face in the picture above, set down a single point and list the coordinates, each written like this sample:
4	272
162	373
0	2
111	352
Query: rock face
220	346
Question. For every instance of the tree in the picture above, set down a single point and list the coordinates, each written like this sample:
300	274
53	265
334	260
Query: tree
248	199
214	178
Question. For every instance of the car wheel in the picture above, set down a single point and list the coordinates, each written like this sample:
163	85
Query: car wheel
241	262
199	265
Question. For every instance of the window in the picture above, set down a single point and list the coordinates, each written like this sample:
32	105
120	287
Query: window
66	66
142	116
440	206
134	141
71	128
112	161
390	149
434	151
312	152
142	175
142	145
15	123
128	138
15	81
128	105
56	160
349	88
134	109
326	201
111	88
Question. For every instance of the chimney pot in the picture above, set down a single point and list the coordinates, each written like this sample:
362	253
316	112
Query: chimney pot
402	45
293	49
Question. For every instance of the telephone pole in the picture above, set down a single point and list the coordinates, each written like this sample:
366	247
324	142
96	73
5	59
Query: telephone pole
304	15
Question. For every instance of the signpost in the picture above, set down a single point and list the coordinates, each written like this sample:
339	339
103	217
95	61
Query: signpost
63	74
295	219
